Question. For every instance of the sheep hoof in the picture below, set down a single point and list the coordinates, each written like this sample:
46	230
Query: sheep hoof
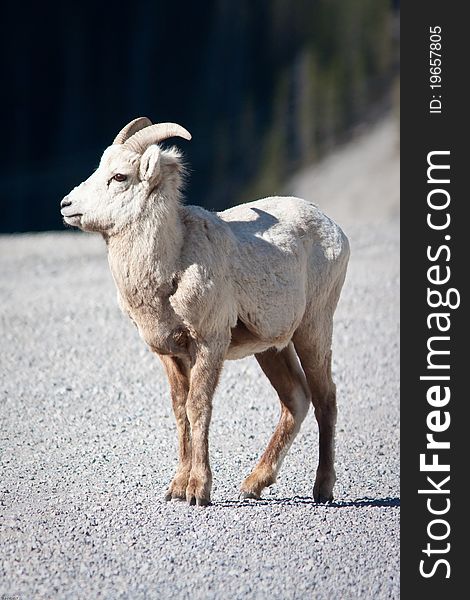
193	501
320	499
177	488
249	496
322	496
198	490
172	497
203	502
323	488
175	492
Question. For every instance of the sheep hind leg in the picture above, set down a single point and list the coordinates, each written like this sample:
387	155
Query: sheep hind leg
178	376
286	376
316	363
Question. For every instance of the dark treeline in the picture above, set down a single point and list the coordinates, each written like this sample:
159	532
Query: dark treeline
264	86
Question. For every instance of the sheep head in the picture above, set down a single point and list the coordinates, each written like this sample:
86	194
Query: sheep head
130	170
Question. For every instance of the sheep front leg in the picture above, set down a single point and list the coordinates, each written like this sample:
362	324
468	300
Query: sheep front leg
177	371
203	381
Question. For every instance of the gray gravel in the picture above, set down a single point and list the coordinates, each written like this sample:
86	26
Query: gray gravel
88	446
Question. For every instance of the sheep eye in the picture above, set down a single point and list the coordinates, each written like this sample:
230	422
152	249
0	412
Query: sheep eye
120	177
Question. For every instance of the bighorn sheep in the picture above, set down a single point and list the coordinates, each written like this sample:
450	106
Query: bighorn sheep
261	278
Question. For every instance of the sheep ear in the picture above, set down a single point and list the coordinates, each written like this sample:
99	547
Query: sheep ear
150	163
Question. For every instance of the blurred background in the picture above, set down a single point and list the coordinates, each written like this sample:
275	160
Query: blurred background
266	87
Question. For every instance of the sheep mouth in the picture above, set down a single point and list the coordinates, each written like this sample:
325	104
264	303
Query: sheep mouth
73	219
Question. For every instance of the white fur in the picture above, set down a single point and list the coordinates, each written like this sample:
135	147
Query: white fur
266	263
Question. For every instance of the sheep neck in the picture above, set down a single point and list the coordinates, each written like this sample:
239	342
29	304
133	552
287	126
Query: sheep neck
144	258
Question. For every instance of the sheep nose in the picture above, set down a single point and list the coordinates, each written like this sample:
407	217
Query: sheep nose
65	202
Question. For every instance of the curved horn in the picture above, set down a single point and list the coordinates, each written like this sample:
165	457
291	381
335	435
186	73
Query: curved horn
131	128
141	140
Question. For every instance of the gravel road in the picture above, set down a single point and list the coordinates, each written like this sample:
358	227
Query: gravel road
88	443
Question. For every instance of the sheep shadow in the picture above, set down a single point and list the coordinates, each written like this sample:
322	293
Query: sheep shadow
302	501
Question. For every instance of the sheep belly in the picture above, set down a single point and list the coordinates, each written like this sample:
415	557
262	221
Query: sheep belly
245	343
248	349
